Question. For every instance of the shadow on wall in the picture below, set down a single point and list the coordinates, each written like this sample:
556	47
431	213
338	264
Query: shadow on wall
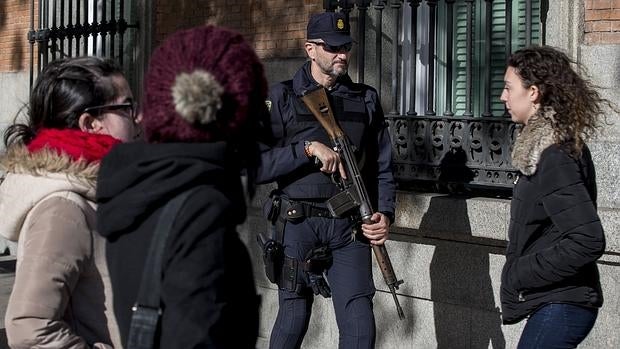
463	303
3	341
454	171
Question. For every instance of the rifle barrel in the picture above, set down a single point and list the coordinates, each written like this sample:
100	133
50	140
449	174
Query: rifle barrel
399	309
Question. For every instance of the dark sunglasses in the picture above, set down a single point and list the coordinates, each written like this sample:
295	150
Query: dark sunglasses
334	49
122	109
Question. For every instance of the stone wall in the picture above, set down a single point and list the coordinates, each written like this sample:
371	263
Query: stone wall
449	252
14	58
13	96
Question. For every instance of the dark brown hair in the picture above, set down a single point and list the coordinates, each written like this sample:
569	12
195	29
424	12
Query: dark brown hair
577	103
61	92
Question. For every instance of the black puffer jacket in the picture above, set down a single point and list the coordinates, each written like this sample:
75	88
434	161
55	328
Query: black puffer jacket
208	288
555	233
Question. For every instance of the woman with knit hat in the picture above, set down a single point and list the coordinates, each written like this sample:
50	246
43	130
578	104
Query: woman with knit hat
79	109
204	97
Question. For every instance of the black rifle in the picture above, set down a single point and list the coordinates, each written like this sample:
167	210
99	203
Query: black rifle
353	194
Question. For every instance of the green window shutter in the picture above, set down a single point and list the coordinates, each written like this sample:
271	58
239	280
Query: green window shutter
498	54
460	58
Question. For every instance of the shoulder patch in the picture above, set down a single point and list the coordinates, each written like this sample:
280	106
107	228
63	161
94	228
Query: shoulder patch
268	104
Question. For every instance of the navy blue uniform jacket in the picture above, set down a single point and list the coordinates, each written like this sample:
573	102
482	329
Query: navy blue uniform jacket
359	113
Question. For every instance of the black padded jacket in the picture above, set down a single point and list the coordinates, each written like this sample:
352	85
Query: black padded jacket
555	237
208	295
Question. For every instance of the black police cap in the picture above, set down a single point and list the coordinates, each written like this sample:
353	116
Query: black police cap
331	27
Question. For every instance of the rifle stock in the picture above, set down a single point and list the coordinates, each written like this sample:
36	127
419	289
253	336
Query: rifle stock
318	104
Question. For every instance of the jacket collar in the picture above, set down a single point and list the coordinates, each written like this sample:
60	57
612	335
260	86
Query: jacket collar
137	177
533	139
31	177
19	160
303	81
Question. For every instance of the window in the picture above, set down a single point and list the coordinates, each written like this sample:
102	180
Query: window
499	37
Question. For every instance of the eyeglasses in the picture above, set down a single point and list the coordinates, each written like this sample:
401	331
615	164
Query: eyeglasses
123	109
334	49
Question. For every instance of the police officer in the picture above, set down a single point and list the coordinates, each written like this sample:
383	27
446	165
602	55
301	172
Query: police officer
326	255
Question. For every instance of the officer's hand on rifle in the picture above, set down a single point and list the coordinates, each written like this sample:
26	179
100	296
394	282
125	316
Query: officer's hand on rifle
377	232
330	160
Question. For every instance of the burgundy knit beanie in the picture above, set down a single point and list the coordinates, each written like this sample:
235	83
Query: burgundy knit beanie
203	84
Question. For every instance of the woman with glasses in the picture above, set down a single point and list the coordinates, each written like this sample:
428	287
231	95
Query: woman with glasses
78	110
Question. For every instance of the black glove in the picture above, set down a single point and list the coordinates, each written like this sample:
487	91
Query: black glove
316	262
319	285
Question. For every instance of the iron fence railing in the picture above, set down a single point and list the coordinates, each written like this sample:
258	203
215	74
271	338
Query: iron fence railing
68	28
443	101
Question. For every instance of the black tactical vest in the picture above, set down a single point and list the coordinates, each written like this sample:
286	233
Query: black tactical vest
351	113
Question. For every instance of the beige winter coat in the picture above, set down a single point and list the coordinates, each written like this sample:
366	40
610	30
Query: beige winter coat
62	294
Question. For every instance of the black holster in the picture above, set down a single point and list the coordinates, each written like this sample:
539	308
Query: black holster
273	257
273	250
287	272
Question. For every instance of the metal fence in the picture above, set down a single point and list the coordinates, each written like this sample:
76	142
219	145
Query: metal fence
69	28
449	129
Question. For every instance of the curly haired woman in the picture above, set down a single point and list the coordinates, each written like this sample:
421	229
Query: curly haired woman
79	109
555	234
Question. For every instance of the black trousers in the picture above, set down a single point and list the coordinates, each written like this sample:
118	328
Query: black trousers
350	279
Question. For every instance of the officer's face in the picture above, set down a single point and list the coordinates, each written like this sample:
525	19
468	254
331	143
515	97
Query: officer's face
333	61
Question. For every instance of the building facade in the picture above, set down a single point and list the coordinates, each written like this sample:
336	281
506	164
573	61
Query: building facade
439	83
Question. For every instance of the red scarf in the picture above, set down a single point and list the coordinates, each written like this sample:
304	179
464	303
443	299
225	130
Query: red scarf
75	143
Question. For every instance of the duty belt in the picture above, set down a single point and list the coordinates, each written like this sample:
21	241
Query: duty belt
298	210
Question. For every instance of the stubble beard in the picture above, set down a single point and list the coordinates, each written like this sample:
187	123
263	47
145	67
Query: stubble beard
332	70
339	71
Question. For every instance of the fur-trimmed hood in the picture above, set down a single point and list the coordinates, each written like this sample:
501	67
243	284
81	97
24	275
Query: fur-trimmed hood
533	139
31	177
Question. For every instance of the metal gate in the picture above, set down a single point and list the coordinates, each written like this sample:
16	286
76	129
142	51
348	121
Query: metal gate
70	28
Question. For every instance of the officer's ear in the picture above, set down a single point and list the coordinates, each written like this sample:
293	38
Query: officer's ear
310	50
